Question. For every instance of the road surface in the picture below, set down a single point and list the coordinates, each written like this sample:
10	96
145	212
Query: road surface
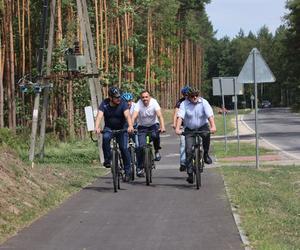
280	127
170	214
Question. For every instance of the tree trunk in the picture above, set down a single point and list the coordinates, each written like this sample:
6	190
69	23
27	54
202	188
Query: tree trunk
71	110
2	53
97	33
12	103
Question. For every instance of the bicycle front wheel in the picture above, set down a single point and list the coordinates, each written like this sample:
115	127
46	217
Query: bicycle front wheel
147	164
132	162
115	170
198	167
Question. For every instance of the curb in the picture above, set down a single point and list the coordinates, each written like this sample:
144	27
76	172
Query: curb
237	219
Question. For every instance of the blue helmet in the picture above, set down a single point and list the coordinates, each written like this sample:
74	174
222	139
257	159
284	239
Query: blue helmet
127	96
185	90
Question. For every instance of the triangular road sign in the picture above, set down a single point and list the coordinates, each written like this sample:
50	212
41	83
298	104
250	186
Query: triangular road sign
262	70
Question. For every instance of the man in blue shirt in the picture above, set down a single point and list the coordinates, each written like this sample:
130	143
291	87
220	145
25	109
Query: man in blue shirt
116	116
198	116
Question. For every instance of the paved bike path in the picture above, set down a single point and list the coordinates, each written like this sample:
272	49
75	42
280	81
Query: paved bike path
169	214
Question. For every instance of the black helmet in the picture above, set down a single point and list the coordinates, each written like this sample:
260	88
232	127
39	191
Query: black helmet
114	92
193	91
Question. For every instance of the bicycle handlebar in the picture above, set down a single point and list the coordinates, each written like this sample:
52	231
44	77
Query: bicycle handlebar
201	132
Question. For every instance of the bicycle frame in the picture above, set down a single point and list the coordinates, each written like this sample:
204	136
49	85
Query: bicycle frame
198	152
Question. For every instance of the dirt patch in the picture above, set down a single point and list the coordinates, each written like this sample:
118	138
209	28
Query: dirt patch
252	158
23	189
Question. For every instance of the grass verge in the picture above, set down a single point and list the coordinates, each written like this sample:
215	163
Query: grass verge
246	149
268	203
27	193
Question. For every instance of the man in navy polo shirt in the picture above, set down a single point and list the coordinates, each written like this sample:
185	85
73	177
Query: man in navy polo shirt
116	116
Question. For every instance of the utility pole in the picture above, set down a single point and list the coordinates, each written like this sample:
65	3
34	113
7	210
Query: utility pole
91	66
90	56
35	115
48	71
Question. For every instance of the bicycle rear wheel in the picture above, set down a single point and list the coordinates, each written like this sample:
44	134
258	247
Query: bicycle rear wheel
132	162
197	167
147	164
115	170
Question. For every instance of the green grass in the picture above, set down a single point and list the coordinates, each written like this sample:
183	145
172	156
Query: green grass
219	120
269	204
230	121
246	149
65	169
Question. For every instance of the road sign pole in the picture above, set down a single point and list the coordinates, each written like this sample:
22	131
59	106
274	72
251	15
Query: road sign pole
224	115
256	110
236	113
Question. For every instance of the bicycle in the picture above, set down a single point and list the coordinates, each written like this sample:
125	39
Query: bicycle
132	151
148	157
198	152
149	164
117	166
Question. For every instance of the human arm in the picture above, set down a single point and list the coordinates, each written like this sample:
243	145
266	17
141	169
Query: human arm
161	121
134	116
98	121
129	120
175	117
178	126
212	124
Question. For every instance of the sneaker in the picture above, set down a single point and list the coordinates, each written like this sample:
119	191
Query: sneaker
106	164
182	168
190	179
157	156
140	173
126	178
207	159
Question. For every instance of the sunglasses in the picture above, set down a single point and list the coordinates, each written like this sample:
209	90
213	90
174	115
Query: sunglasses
193	96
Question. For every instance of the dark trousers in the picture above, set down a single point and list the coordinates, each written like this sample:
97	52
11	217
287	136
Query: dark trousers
122	140
189	142
142	132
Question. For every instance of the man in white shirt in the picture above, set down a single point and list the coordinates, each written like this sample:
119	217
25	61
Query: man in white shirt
198	116
150	119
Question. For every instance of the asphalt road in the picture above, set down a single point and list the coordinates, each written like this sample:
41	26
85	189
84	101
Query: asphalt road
169	214
280	127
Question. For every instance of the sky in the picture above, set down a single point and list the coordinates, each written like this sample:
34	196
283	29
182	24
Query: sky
229	16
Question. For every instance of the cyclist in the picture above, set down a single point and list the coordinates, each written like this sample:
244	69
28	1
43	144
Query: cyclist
198	116
150	119
128	97
116	116
184	92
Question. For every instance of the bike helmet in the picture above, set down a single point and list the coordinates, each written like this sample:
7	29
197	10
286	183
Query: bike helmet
185	90
114	92
193	91
127	96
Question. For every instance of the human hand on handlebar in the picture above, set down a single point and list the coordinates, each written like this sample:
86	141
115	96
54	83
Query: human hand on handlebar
178	131
213	129
162	129
130	129
98	130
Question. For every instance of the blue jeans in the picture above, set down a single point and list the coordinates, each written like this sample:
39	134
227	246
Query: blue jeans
142	132
182	150
122	140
